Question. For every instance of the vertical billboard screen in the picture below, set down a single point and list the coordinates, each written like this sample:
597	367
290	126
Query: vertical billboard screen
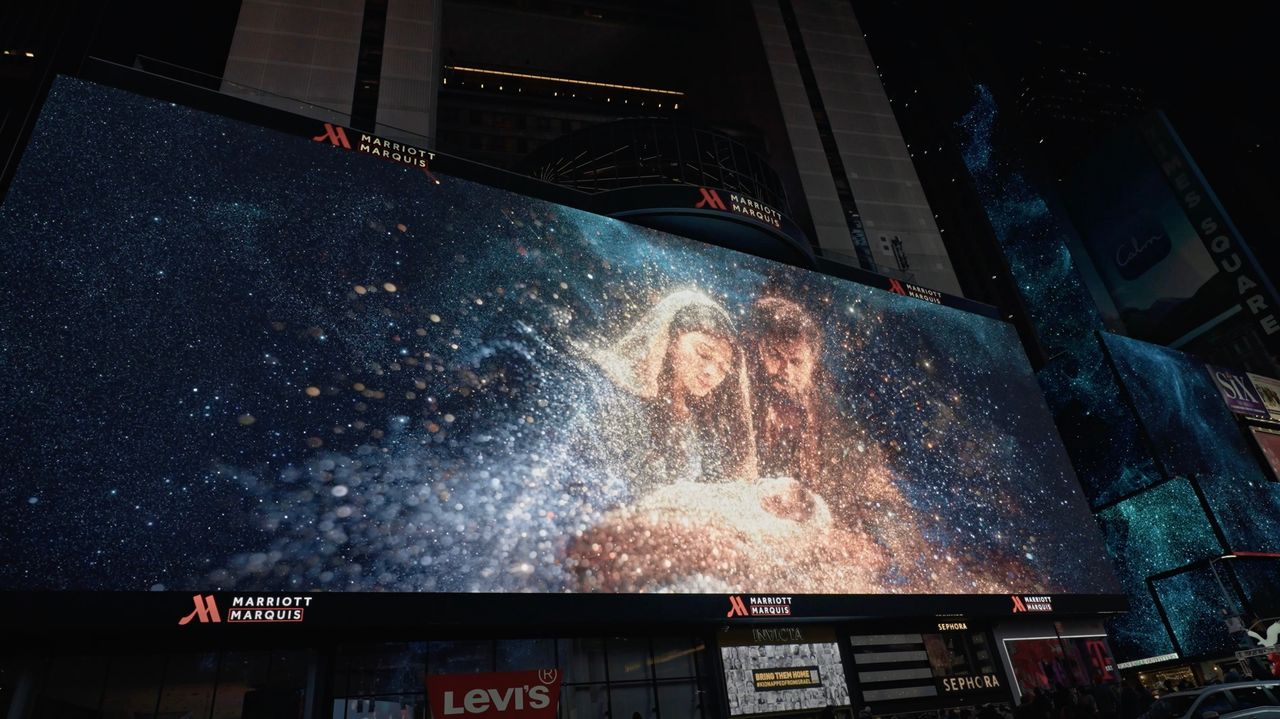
1165	252
243	360
1146	252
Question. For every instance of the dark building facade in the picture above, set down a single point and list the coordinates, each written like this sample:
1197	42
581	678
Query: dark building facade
494	82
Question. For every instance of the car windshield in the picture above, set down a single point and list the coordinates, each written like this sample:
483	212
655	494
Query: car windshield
1172	706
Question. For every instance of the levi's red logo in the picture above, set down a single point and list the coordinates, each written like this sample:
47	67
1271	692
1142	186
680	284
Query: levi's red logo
710	198
495	695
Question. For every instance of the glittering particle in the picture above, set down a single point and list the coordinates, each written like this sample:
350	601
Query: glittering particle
246	419
360	289
492	464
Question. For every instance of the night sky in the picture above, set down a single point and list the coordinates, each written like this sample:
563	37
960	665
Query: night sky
234	358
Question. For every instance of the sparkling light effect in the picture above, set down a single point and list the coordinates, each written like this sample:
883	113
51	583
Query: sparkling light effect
420	363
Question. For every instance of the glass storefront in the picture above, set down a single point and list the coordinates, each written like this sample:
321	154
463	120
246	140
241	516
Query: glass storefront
795	670
625	677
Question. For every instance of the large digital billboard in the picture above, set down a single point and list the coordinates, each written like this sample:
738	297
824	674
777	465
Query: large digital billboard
237	359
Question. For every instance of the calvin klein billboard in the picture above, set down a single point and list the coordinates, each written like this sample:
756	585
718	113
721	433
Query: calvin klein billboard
245	361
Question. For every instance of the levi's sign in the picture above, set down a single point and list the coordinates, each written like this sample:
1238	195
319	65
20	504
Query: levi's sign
495	695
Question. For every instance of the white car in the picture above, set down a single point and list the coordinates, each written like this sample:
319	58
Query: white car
1238	700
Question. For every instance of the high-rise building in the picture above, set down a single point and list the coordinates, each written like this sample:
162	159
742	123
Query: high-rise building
792	81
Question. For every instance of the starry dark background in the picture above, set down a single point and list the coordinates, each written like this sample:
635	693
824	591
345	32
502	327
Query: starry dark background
237	358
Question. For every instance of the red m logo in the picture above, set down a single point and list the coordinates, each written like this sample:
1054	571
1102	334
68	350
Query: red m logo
335	136
710	199
206	610
1018	606
896	287
736	607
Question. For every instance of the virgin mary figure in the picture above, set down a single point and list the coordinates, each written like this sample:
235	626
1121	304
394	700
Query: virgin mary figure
670	400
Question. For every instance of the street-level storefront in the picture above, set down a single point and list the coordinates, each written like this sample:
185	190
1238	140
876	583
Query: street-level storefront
274	661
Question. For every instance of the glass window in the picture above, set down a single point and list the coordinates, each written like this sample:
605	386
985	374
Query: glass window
273	702
188	685
240	673
288	668
383	707
679	700
632	701
133	686
1249	697
71	686
628	659
1213	702
673	657
582	660
382	668
585	701
514	655
460	657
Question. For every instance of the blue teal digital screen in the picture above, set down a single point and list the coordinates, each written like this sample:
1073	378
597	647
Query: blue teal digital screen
244	360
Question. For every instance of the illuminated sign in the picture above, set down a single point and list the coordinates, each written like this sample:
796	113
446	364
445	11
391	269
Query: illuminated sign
254	609
980	682
788	678
1237	391
206	610
1268	392
1269	442
1257	299
759	607
776	635
418	157
495	695
1027	603
898	287
1148	660
710	199
380	384
952	626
